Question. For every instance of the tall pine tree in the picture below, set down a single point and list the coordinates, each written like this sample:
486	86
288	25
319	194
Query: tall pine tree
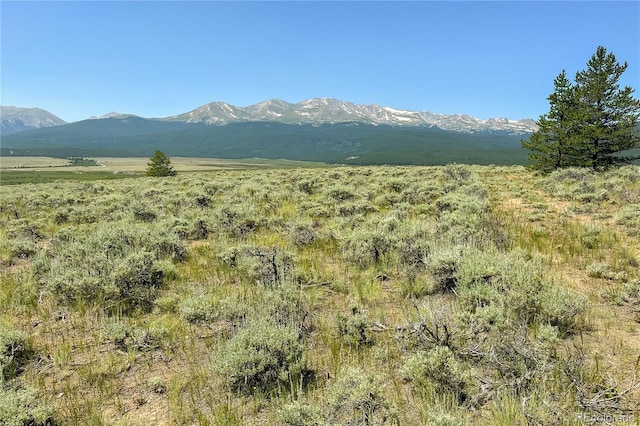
608	114
551	145
589	124
160	165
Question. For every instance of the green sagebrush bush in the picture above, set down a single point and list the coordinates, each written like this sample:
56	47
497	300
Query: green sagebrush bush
308	186
21	248
143	212
130	280
439	367
300	414
263	265
15	351
414	242
357	397
454	351
504	287
587	185
25	228
282	305
458	173
262	357
192	228
360	207
520	359
126	336
631	293
120	265
302	233
340	193
239	219
367	246
209	308
561	181
353	327
285	306
115	331
24	407
459	215
629	217
442	265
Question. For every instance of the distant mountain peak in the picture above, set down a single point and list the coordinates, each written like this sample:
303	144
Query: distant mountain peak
112	114
17	119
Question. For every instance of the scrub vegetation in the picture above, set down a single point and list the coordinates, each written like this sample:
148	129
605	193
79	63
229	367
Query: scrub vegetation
330	296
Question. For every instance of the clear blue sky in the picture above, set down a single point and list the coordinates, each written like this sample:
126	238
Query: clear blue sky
155	59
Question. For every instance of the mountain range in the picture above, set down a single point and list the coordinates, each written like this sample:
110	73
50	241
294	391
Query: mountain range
331	111
311	111
320	129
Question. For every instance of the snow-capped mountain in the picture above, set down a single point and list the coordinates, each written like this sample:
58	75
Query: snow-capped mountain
112	114
16	119
326	110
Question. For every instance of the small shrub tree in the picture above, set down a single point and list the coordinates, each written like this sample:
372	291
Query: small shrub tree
160	165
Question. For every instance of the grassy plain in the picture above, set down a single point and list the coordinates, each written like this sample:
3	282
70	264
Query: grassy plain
16	170
332	295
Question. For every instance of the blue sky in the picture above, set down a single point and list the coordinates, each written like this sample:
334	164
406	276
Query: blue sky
156	59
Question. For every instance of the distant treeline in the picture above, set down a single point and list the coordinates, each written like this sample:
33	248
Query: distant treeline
345	143
81	161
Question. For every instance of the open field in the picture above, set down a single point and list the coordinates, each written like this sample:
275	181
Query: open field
139	164
454	295
16	170
39	163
